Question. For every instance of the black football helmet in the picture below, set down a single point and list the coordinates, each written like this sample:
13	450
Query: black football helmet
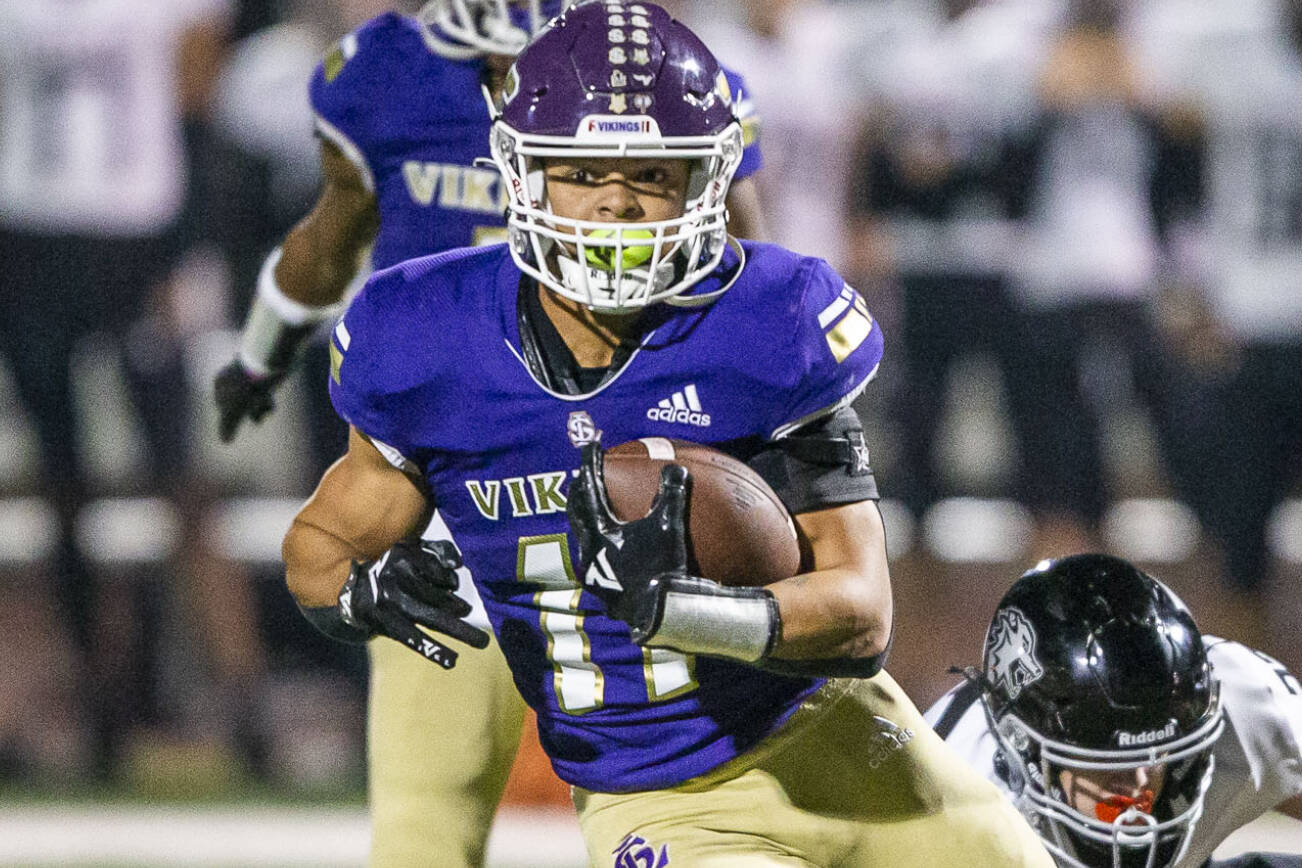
1094	670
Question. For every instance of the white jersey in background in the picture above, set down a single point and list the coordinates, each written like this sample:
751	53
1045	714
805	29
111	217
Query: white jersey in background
1258	761
1254	217
90	129
808	87
1235	63
962	85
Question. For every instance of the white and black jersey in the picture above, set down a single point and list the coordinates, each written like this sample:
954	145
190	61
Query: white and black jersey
1258	760
90	130
1236	63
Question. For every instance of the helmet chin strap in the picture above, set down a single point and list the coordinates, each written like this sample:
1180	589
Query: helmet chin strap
704	298
1134	817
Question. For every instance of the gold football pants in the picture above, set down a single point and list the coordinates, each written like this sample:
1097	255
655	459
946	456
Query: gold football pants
855	779
440	744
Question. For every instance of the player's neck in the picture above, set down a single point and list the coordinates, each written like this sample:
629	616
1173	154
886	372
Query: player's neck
591	337
496	67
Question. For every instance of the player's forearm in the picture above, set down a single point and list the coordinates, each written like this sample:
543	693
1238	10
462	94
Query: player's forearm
317	563
304	279
320	258
362	506
833	614
841	609
323	252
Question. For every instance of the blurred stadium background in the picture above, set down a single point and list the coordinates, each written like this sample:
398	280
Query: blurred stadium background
1026	192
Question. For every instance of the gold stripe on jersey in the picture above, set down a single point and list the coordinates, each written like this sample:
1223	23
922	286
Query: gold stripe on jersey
336	361
848	334
336	57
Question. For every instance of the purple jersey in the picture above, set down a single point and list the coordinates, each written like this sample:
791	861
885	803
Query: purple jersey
429	364
414	121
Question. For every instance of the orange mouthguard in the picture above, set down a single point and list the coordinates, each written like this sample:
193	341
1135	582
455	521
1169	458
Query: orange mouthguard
1114	806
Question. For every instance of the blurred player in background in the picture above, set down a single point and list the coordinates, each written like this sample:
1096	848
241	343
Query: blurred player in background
1247	80
696	722
932	211
1126	736
98	102
402	118
809	87
1103	179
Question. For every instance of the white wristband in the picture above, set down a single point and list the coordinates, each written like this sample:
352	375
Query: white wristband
700	617
277	324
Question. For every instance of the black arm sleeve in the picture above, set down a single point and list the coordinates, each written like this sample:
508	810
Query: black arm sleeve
820	465
839	667
834	667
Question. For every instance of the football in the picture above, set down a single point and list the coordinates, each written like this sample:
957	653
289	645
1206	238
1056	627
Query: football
738	531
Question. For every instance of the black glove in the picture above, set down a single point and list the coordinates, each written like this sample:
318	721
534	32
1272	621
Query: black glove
412	583
628	565
638	569
242	394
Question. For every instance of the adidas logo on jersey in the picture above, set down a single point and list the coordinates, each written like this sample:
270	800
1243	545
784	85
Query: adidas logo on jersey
683	407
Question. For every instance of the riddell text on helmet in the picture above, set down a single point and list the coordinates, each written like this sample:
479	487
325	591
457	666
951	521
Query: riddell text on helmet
1127	739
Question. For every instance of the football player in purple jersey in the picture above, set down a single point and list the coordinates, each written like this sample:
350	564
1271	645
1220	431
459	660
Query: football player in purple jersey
402	119
697	724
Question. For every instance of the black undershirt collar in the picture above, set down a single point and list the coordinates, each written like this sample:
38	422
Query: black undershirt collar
549	358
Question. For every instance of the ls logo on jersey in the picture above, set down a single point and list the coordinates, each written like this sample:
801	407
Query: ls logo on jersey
1010	650
580	428
635	852
459	188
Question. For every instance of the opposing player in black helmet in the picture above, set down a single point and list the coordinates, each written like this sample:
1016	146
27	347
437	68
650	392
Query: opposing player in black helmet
1126	736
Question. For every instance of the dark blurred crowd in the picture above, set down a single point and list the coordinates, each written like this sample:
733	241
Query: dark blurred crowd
1079	221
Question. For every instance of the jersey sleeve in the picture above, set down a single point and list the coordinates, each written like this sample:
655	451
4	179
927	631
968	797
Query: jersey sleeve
821	465
958	718
837	347
752	160
1263	702
368	377
350	83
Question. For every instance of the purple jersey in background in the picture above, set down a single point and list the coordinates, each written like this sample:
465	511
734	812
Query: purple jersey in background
429	364
414	122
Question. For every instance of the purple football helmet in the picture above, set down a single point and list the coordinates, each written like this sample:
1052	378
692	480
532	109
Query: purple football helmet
471	28
617	79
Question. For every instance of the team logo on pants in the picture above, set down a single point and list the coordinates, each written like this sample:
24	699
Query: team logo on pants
890	738
635	852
